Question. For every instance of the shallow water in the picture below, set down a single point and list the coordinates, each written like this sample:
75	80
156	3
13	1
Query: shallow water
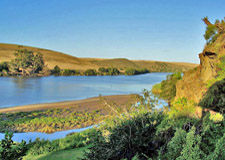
18	137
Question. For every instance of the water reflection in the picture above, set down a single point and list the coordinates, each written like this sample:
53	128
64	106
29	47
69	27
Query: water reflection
18	137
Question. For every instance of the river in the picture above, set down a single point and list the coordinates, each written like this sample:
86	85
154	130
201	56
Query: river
16	91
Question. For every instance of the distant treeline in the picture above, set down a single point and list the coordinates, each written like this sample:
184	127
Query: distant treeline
102	71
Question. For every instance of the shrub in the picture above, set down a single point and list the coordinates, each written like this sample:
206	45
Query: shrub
132	71
214	98
132	137
69	72
90	72
113	71
210	33
156	89
168	86
56	70
4	66
182	107
103	70
191	148
71	141
10	150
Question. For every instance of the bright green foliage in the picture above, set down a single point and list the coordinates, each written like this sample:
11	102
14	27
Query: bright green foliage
214	98
131	137
182	107
132	71
74	140
213	30
48	121
27	62
69	72
10	150
220	74
175	145
210	33
211	133
168	86
90	72
113	71
219	152
217	117
191	148
156	89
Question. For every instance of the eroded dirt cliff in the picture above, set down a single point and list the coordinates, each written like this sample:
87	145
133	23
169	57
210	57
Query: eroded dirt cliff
194	82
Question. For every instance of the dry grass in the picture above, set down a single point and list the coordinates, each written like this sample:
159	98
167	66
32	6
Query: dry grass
66	61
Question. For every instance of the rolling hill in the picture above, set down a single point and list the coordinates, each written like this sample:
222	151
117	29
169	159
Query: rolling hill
65	61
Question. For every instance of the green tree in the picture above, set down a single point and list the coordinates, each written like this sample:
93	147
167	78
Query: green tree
191	148
56	70
27	62
37	63
10	150
168	86
90	72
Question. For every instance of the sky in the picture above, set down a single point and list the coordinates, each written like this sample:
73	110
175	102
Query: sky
162	30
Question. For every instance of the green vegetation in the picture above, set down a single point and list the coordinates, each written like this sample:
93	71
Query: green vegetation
48	121
56	70
10	150
156	89
140	131
70	154
182	107
90	72
69	72
109	71
214	98
26	62
220	74
147	133
167	88
132	71
213	30
71	141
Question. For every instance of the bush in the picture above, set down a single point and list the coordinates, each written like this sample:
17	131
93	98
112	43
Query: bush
10	150
4	66
156	89
210	33
56	70
132	71
214	98
90	72
182	107
132	137
103	70
168	86
113	71
71	141
69	72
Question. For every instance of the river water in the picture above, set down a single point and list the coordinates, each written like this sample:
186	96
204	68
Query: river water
16	91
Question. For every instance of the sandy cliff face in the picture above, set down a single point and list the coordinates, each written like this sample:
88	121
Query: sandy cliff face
193	83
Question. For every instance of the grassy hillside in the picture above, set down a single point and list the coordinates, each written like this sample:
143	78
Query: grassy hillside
65	61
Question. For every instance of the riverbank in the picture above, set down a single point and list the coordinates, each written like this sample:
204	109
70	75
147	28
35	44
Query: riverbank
89	104
60	116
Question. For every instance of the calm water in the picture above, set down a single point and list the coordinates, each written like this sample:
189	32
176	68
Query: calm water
18	137
17	91
22	91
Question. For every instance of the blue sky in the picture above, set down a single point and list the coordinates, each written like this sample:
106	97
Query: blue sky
163	30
